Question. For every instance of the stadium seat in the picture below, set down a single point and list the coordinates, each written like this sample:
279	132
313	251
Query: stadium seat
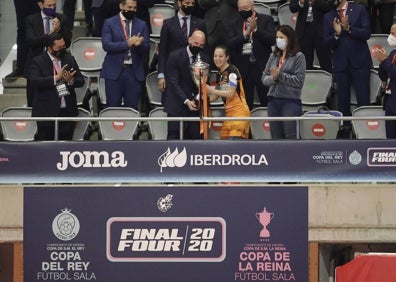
118	129
89	54
320	128
158	130
18	130
81	126
153	93
378	41
260	129
370	128
316	89
262	8
285	16
82	91
158	13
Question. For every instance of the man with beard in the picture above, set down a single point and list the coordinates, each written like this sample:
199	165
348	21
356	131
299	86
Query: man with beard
54	75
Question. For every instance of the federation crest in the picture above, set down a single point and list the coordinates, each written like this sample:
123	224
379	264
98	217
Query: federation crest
65	225
355	158
165	203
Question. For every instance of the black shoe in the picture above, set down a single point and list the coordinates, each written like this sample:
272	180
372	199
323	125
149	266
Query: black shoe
14	75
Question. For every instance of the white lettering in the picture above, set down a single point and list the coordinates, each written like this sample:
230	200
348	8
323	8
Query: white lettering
89	159
225	160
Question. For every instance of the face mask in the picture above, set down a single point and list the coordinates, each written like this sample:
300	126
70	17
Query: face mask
245	14
195	50
391	40
187	9
281	43
59	54
129	15
50	12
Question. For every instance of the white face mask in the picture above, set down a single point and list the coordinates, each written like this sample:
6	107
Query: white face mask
281	43
391	40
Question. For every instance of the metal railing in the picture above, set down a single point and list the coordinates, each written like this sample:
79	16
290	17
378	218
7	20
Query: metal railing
196	119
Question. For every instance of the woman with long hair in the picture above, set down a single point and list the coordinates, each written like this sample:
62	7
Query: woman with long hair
284	74
229	86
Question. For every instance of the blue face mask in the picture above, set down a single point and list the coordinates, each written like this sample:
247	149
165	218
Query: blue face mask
281	43
50	12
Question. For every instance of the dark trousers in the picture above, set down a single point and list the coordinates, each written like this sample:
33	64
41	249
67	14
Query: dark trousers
23	8
191	129
390	110
126	89
69	9
360	80
100	14
384	13
46	129
310	42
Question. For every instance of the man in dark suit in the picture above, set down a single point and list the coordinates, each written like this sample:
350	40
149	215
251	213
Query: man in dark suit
181	88
54	75
219	15
126	40
174	36
346	29
250	41
38	27
309	28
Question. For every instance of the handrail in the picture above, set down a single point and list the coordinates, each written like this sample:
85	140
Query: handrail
184	119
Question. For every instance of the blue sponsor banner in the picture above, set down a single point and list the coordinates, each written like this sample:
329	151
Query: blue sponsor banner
198	161
172	234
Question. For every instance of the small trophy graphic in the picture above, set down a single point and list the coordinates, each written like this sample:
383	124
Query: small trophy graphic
265	218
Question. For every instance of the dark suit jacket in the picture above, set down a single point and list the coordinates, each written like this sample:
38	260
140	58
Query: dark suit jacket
319	9
180	83
46	102
225	11
36	39
172	37
350	50
263	39
116	46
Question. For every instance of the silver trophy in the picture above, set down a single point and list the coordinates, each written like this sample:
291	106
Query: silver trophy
199	72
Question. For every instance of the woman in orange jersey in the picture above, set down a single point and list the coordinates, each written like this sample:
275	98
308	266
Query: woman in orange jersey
229	87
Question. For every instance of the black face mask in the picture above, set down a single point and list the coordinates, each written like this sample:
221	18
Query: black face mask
195	50
245	14
187	9
60	53
129	15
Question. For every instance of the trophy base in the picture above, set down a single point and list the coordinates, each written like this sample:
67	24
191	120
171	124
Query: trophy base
264	233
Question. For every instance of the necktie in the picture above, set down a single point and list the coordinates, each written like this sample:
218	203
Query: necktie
184	27
58	68
341	13
47	27
56	65
127	28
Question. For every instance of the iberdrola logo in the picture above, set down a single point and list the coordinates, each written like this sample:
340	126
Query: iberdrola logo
65	225
173	159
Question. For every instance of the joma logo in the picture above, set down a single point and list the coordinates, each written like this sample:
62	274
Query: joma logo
89	159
